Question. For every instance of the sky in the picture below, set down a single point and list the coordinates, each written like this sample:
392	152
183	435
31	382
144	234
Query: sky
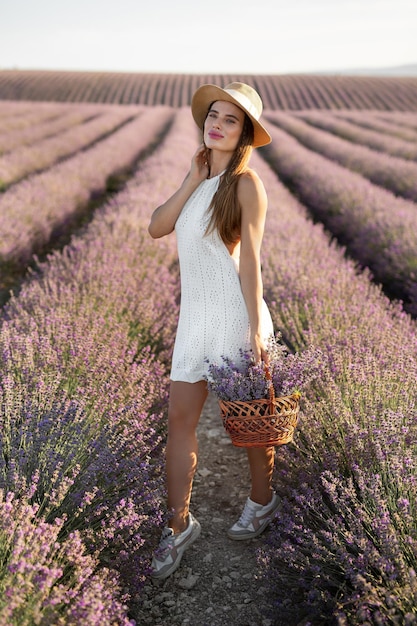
213	36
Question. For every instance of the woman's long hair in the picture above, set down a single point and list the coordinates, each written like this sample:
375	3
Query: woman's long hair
225	208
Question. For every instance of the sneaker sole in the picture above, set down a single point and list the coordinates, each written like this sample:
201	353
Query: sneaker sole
175	565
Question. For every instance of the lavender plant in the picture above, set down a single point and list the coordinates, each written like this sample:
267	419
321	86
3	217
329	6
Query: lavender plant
337	545
45	579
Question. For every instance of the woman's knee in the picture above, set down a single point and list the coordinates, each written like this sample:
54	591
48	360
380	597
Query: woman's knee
181	422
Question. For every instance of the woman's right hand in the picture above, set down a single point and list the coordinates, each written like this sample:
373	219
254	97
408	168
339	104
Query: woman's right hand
200	166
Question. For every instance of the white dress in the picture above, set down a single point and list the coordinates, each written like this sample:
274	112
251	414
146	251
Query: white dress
213	320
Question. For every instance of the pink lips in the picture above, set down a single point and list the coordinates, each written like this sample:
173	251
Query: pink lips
214	135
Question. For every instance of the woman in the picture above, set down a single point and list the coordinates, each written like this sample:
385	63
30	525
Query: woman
218	214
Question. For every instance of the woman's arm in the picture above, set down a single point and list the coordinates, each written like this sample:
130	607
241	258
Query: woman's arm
164	217
253	201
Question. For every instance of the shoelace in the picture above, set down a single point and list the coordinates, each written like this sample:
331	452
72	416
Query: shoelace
165	542
247	514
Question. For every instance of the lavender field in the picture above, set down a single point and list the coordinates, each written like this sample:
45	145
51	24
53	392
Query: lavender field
89	310
288	92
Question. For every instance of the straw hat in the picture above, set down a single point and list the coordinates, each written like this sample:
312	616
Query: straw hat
244	96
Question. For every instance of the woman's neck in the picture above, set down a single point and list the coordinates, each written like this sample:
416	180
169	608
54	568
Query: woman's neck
218	166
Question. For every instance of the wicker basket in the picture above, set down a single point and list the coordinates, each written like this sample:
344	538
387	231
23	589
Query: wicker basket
261	423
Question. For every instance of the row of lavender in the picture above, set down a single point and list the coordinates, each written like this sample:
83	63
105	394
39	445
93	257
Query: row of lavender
402	125
362	127
26	160
377	162
19	119
21	127
43	204
344	548
378	228
288	92
85	349
34	208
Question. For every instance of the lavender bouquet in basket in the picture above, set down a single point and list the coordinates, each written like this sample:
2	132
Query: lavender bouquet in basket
245	380
259	403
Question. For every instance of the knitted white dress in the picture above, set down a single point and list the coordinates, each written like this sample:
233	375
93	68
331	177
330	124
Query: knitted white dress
213	319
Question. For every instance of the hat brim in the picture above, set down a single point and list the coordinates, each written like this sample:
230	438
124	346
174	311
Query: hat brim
206	94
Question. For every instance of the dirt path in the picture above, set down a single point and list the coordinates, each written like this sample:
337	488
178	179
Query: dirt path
216	583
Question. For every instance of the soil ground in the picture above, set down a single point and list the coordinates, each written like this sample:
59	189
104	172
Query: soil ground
217	583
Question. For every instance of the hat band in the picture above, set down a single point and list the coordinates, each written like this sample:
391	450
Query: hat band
245	102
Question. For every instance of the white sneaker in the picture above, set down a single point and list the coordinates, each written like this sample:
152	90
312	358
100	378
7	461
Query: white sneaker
254	519
171	547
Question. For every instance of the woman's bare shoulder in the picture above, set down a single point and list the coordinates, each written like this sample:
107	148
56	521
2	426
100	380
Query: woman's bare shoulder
250	175
250	183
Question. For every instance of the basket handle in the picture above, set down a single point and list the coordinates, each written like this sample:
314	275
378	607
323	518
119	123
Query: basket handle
270	386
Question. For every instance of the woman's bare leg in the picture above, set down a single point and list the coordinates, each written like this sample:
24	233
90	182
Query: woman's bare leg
261	464
185	405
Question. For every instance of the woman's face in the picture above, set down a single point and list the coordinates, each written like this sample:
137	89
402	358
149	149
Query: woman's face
223	126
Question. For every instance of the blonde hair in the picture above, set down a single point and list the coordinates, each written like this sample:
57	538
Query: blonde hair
225	207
